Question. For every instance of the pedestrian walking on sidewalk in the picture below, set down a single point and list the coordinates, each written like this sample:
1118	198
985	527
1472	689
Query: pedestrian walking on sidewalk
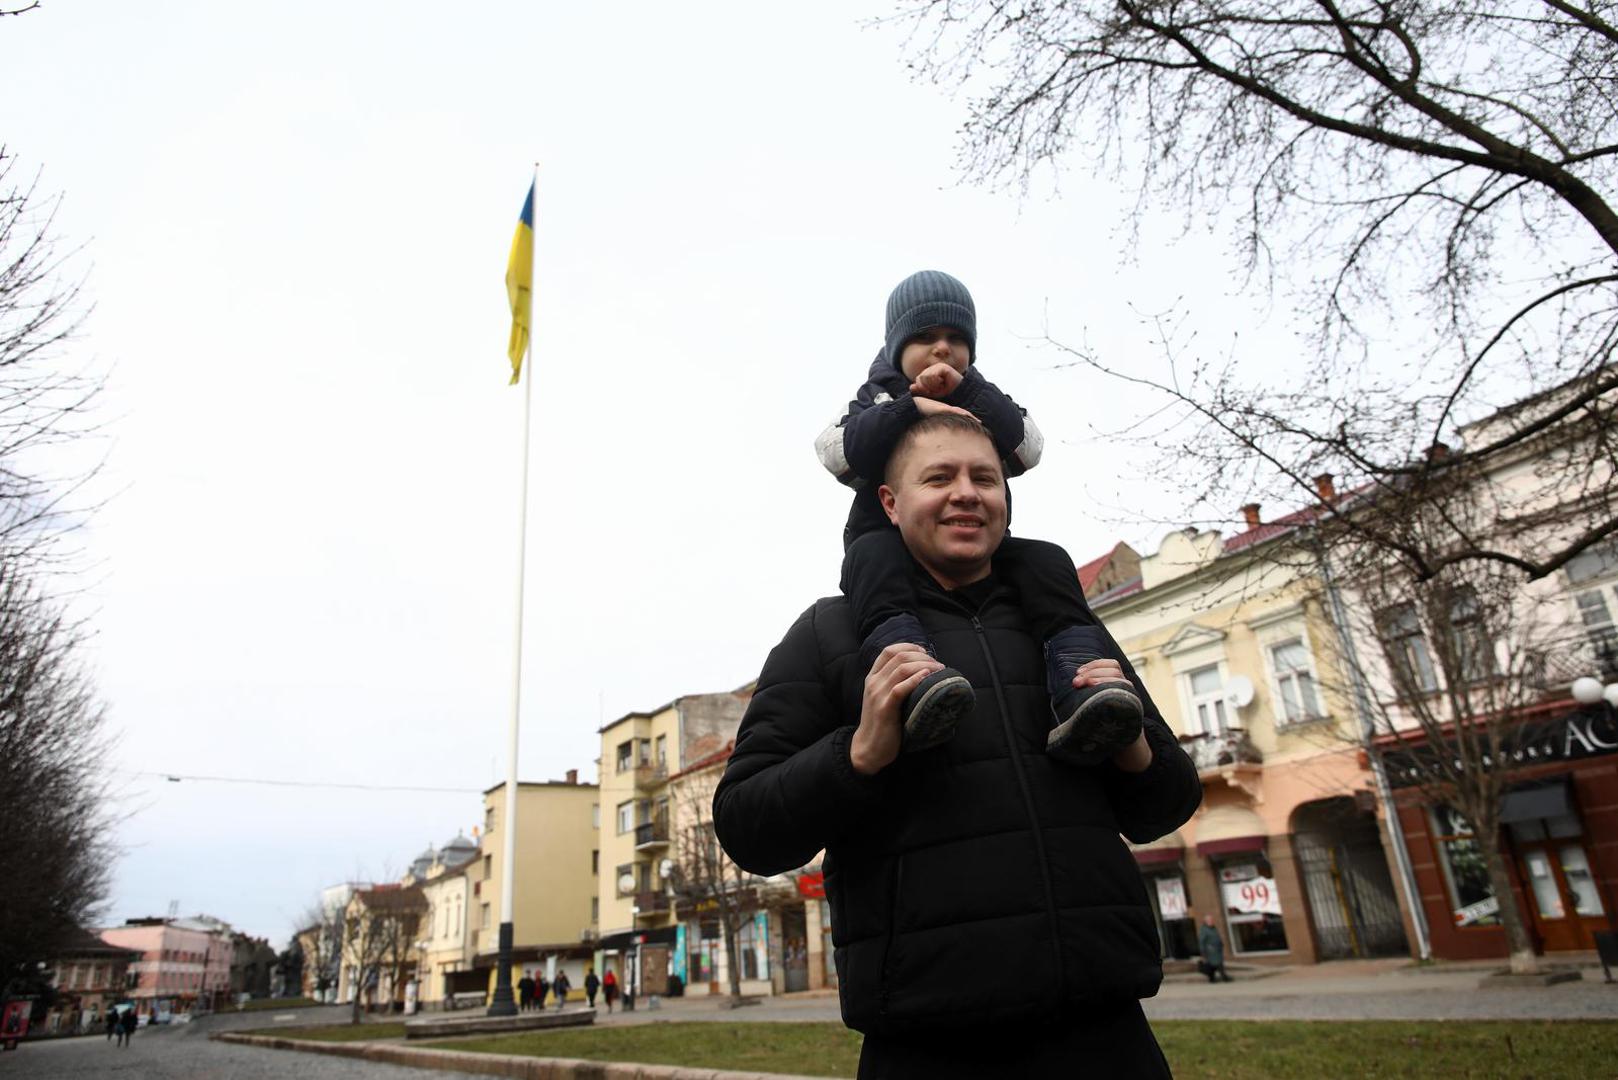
1212	948
112	1023
130	1023
591	985
525	992
609	988
560	987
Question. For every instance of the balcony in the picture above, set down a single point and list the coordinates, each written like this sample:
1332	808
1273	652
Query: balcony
1216	753
1556	663
649	775
652	835
651	903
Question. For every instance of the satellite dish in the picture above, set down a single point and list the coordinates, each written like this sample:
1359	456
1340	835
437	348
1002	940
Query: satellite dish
1239	691
665	869
626	883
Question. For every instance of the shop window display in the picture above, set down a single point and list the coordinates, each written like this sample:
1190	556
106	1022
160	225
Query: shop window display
1252	905
1471	895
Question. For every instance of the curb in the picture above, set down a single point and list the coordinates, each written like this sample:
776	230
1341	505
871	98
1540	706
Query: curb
517	1066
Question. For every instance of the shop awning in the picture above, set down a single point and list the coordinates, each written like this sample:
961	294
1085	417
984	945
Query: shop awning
1165	849
663	935
1531	804
1225	830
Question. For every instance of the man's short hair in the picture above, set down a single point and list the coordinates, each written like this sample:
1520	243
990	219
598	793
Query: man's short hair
944	421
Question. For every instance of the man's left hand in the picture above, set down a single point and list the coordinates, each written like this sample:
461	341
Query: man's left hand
1138	755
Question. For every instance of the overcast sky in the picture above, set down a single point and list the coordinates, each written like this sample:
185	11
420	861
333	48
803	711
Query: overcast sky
296	220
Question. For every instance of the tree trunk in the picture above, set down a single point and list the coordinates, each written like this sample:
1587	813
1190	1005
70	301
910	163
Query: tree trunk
733	955
1524	961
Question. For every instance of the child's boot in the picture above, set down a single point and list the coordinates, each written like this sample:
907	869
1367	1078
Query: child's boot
939	703
1093	723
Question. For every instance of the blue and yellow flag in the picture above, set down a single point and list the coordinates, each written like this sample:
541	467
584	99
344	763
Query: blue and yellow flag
520	285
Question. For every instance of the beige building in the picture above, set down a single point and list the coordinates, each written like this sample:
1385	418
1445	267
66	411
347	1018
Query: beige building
783	924
444	941
1232	640
639	752
553	918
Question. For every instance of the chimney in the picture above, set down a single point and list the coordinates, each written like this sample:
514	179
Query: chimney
573	776
1250	512
1325	489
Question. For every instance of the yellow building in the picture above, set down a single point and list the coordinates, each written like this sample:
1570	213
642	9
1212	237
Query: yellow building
553	918
639	752
1232	640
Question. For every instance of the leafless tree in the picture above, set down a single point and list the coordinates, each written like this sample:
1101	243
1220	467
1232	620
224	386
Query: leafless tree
320	940
703	878
379	934
1428	184
1459	677
58	837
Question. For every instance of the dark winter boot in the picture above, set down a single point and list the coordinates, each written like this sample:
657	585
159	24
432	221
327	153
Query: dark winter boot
1096	722
934	708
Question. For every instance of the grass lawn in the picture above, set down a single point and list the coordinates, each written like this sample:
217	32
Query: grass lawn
274	1003
1196	1049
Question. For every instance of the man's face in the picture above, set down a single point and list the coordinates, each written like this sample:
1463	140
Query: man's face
948	498
939	345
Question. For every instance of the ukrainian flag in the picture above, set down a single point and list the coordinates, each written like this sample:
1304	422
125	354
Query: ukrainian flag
520	285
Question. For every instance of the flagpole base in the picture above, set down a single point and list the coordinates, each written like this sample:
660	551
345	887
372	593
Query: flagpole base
502	1003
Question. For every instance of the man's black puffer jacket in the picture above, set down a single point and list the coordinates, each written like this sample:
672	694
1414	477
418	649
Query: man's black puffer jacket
950	905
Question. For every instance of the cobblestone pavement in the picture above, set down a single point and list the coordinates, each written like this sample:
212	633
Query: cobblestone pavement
186	1053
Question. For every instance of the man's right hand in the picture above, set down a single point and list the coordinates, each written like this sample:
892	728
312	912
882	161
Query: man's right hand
898	670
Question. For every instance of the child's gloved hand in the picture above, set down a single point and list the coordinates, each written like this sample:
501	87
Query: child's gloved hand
939	380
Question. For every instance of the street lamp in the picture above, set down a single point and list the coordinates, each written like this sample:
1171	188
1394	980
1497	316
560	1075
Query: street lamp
1589	691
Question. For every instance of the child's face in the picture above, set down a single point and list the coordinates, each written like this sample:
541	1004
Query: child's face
938	345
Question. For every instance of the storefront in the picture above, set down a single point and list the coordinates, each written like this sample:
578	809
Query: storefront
1235	842
1558	836
1162	867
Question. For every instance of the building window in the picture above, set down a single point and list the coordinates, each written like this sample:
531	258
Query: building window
1252	905
595	910
1474	649
1206	692
1407	651
750	941
625	875
595	815
488	819
626	817
663	751
483	917
1294	682
625	750
643	812
488	867
1471	896
595	862
644	755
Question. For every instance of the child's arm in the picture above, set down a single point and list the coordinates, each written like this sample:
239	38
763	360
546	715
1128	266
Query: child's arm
856	446
1015	435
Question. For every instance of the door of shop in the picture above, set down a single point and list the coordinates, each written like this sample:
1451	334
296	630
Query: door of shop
1352	906
795	949
1566	904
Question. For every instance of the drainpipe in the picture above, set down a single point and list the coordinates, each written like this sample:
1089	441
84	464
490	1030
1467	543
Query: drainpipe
1384	791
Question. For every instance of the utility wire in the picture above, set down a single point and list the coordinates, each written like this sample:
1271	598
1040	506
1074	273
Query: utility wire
175	778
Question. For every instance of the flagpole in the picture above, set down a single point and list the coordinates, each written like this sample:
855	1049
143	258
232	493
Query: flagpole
502	1003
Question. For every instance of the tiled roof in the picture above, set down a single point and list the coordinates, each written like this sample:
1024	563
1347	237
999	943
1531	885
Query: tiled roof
722	754
1118	592
1092	570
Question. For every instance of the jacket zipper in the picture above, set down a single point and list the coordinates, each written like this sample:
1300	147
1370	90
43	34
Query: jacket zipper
893	932
1028	801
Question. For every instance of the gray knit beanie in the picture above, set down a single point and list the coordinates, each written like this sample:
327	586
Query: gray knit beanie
924	300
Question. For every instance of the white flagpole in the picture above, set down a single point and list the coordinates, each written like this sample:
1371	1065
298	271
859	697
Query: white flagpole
502	1003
